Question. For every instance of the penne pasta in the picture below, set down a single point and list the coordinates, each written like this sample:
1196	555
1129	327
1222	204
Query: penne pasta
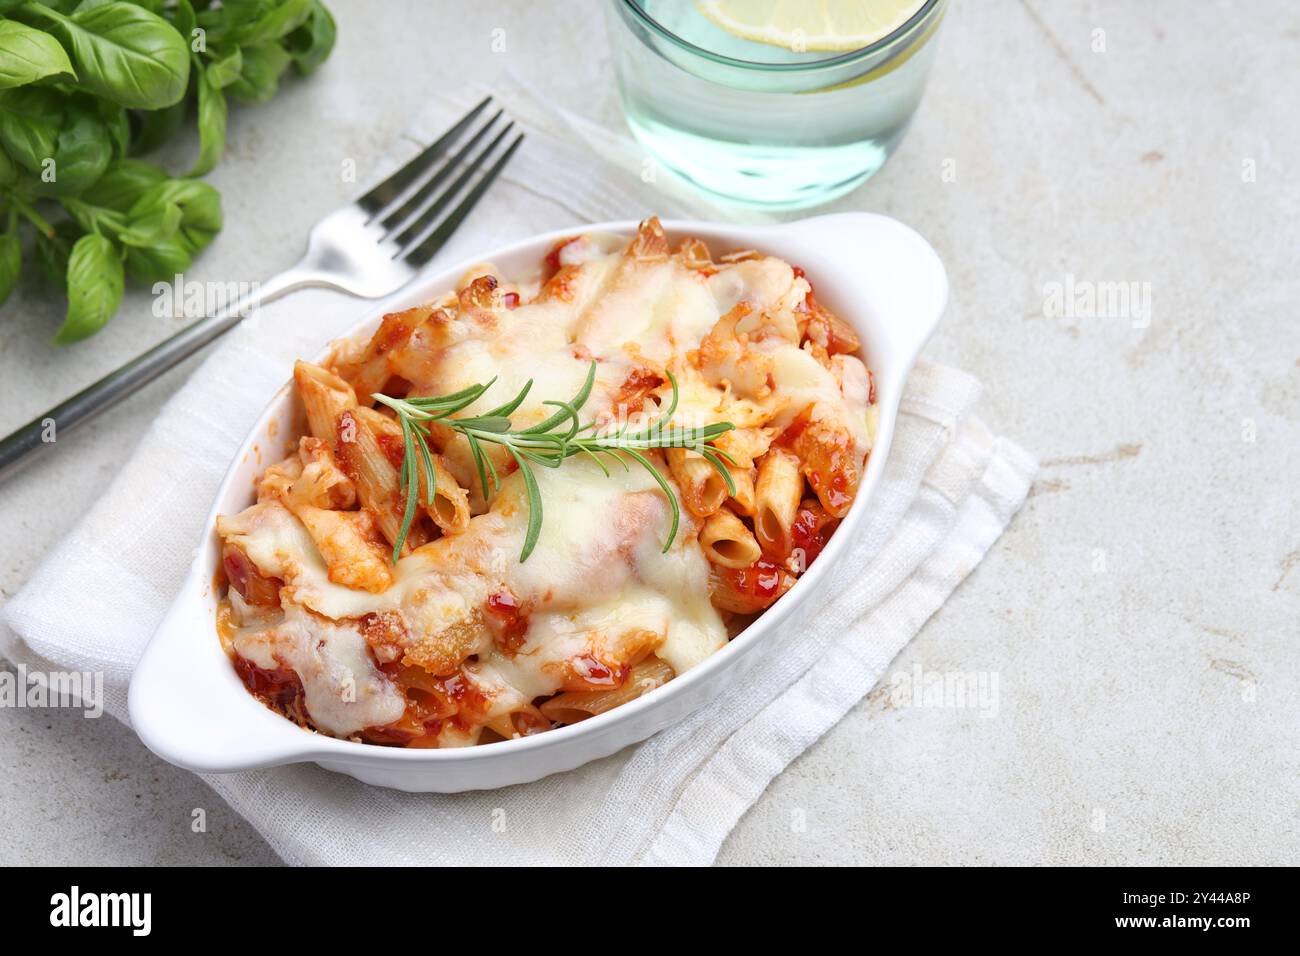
347	542
244	577
812	529
449	508
743	500
520	722
501	725
748	590
365	457
456	455
569	708
777	494
370	372
325	396
728	542
703	489
826	453
745	445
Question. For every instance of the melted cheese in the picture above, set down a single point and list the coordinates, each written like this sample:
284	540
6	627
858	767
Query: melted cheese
761	283
343	690
663	307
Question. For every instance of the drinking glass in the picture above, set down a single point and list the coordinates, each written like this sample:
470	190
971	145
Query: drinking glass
770	126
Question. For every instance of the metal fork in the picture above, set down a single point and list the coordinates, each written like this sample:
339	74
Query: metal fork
369	248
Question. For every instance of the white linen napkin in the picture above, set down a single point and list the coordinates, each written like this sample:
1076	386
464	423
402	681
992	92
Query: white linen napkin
949	490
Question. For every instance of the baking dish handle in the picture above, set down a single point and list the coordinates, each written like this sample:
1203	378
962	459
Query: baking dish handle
189	707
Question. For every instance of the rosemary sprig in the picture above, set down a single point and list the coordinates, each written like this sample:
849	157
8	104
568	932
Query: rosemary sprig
548	444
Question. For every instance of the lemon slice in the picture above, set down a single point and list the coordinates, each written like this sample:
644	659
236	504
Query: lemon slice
817	25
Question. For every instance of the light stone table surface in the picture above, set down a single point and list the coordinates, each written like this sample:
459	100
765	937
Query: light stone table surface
1140	614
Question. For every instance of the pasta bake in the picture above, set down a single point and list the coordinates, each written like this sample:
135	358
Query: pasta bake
527	502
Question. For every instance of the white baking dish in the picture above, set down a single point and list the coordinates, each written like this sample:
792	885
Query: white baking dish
189	707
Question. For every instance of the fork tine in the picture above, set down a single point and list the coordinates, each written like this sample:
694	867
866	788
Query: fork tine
414	207
414	233
429	245
381	196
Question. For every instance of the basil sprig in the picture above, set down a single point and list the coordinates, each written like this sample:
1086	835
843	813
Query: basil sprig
88	85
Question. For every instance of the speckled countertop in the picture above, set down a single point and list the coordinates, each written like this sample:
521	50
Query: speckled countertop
1141	613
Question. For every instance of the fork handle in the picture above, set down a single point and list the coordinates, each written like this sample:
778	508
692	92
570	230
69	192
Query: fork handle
39	434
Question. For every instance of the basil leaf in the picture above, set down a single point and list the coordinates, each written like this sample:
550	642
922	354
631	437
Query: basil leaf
200	206
160	262
259	76
28	54
52	252
311	43
11	263
82	152
8	170
257	21
215	24
184	21
225	70
30	119
91	218
125	53
95	284
118	122
200	203
122	185
153	227
157	127
212	124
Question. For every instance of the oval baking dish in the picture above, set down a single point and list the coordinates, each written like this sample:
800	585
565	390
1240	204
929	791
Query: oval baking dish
189	706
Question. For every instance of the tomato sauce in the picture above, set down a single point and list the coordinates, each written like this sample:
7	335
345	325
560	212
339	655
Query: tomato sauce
834	491
432	705
393	447
639	383
792	431
591	673
345	437
508	621
811	530
763	581
551	263
279	689
252	585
